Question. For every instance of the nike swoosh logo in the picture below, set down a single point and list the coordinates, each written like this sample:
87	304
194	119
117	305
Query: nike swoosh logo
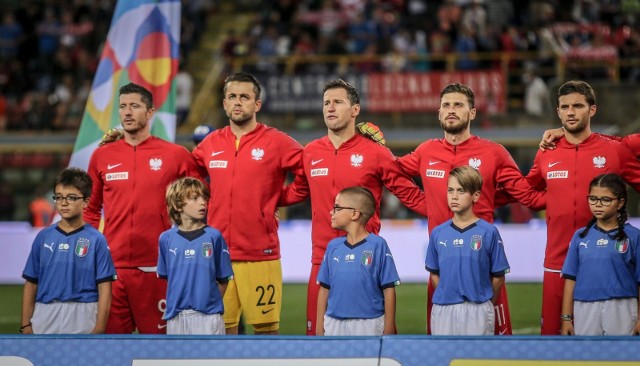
316	162
266	311
502	332
433	162
109	167
552	164
217	153
161	326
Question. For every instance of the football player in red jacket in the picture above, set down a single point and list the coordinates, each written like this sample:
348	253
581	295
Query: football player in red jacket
130	177
344	158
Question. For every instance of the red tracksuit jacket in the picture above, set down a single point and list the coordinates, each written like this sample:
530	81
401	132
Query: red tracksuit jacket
245	187
566	173
129	184
435	158
358	162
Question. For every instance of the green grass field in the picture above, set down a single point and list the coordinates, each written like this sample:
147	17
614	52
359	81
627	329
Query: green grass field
524	302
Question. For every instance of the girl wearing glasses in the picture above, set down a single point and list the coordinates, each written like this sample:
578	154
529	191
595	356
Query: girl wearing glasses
602	269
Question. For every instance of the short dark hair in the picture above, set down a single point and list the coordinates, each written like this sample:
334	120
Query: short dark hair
577	86
145	95
462	89
363	198
77	178
352	92
244	77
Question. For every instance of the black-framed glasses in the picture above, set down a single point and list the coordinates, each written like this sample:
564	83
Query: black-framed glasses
67	199
604	201
337	208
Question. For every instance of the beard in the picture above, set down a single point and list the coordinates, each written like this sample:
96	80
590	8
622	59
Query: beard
575	129
456	128
139	126
241	119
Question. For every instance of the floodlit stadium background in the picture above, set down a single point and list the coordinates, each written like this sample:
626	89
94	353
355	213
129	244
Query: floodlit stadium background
398	53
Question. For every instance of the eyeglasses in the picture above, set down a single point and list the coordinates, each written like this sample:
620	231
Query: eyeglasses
337	208
604	201
67	199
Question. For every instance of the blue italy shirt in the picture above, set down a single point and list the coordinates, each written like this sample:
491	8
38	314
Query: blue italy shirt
465	259
193	263
69	266
356	276
602	267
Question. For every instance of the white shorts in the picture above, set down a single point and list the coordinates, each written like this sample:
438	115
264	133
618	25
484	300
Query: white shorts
466	318
608	317
64	318
194	322
353	327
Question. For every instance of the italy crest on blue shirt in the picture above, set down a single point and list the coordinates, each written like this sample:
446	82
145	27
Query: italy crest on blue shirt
367	257
476	242
82	247
622	246
207	249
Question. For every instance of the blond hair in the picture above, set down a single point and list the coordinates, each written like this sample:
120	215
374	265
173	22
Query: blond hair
470	179
181	190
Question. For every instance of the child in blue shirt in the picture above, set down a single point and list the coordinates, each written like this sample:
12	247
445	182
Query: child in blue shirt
69	270
357	276
467	262
602	270
194	258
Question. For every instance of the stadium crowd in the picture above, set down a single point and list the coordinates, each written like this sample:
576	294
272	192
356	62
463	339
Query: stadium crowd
49	54
396	33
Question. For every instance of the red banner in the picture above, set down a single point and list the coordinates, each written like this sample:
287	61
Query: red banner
420	92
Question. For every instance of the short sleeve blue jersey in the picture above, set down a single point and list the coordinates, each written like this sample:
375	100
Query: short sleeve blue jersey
69	266
356	276
603	268
465	259
193	263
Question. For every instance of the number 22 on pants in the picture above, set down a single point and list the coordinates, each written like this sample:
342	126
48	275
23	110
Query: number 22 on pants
265	298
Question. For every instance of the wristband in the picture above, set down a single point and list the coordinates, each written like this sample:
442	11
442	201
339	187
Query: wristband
566	318
24	326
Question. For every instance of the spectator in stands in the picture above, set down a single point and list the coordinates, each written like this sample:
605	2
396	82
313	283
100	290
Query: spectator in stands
40	209
48	31
11	34
229	46
361	34
536	93
550	44
464	45
266	49
474	17
47	42
184	91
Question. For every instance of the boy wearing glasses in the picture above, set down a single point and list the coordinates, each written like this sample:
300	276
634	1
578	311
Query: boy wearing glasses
357	276
69	270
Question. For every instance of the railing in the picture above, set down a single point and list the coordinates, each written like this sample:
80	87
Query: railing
207	105
511	64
